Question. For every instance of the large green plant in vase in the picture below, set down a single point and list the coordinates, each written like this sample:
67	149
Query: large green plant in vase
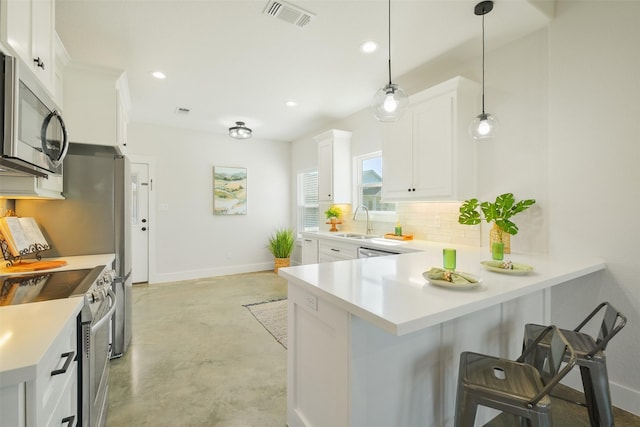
499	213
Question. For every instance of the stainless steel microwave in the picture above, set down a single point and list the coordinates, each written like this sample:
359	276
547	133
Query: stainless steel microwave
34	136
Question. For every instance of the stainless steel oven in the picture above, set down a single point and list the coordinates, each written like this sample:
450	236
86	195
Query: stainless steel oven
96	352
34	136
93	335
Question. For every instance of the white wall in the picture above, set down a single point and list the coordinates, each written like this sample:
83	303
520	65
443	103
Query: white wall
190	242
594	151
567	98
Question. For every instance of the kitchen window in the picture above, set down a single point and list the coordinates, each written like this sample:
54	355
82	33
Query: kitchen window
308	207
368	184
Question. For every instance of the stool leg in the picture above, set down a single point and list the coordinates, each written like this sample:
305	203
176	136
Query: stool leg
589	395
466	409
601	393
541	420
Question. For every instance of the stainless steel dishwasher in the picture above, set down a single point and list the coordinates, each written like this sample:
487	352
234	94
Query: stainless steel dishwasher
364	252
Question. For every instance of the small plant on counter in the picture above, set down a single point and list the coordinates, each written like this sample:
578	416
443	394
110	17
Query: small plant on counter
333	212
498	212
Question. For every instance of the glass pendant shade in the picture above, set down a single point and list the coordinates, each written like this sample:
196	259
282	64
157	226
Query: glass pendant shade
390	103
240	131
484	126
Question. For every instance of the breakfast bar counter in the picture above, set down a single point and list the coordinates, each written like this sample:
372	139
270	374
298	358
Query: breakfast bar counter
372	343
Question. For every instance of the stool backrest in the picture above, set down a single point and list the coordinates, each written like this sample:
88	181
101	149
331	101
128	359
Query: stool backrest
612	322
550	369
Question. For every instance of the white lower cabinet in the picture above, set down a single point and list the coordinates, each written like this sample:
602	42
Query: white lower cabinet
330	250
51	399
309	250
343	371
319	367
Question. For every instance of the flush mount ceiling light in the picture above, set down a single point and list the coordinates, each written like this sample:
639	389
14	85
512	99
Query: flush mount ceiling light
240	131
484	126
158	75
369	47
390	102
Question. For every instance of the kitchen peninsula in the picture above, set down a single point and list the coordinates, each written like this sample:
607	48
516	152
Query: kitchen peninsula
371	343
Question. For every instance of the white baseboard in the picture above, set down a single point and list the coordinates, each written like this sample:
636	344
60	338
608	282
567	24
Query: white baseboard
212	272
622	396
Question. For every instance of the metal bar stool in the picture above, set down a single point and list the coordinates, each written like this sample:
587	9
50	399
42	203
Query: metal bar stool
591	359
513	386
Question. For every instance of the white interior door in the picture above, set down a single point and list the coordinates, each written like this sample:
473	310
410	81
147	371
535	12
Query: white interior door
140	187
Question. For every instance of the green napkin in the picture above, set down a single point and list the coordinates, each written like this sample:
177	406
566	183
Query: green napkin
454	277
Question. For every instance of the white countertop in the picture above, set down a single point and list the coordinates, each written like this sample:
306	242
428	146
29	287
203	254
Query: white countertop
73	263
27	330
391	292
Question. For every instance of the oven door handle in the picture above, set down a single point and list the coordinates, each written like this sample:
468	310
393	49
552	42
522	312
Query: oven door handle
107	316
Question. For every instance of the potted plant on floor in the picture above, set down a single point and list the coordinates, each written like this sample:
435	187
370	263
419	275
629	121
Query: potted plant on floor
333	215
281	245
499	213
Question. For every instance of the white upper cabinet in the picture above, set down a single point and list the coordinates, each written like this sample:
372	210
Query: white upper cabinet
28	29
428	155
334	166
96	103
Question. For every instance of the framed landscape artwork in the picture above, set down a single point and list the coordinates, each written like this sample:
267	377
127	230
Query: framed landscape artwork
229	190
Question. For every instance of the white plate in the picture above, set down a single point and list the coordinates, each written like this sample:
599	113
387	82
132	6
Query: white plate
445	284
518	269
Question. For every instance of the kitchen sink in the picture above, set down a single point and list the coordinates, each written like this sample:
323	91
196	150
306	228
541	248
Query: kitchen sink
358	236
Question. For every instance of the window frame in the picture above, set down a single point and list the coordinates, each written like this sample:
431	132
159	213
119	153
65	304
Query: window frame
381	216
301	204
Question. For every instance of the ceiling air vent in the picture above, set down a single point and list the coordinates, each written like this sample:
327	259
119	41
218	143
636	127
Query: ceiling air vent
288	13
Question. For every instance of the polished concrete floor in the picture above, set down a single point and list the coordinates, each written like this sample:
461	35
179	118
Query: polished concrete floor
199	358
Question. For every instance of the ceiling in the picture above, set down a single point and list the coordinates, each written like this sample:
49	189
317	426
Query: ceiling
227	61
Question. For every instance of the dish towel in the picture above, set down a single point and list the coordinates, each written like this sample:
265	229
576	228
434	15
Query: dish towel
450	276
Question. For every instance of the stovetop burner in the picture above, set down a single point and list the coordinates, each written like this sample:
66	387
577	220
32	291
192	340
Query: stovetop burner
23	289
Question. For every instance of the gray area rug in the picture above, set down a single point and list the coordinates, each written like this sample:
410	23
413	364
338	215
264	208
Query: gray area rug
273	316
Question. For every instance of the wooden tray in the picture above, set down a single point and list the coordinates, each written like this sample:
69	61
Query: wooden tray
23	266
402	237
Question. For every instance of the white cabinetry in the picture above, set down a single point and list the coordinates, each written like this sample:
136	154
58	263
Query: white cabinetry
320	362
52	397
96	101
331	250
32	187
334	166
27	28
428	154
309	250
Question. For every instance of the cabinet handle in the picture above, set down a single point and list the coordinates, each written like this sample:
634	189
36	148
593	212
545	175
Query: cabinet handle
69	420
39	62
413	189
408	189
335	250
308	240
69	355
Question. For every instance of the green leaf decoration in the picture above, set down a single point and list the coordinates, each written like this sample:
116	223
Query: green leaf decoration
500	211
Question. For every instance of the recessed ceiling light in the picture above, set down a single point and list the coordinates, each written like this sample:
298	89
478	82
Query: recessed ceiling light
290	103
158	75
369	47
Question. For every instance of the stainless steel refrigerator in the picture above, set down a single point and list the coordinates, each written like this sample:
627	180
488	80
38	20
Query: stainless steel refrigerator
94	218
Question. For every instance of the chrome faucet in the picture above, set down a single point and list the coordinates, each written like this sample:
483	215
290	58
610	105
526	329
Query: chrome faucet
369	226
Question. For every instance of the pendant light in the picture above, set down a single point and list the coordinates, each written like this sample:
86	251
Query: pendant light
484	126
390	102
240	131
